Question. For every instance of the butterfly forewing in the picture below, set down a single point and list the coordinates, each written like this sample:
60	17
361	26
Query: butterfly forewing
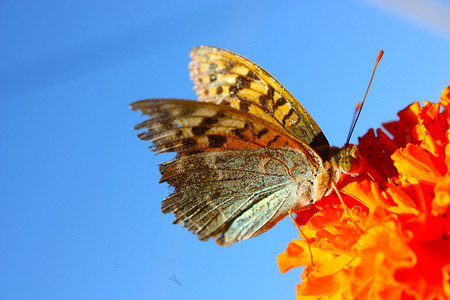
221	76
235	175
184	126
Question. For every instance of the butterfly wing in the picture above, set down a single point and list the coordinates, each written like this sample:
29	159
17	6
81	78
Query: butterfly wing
185	126
235	176
221	76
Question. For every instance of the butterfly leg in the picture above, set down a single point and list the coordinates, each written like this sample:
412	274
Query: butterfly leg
306	240
342	201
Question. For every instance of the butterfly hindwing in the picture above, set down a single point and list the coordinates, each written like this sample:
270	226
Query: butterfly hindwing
221	76
232	195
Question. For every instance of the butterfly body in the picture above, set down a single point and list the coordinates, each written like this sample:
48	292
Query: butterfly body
247	153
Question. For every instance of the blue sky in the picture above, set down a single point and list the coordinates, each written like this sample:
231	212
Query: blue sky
79	195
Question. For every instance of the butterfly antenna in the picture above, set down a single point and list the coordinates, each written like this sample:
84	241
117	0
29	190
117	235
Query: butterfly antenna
353	124
360	106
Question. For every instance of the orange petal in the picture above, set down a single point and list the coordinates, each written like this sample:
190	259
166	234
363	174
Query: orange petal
405	205
367	192
445	97
408	119
295	255
447	158
447	227
376	152
383	249
441	202
426	276
429	112
414	161
314	288
446	280
425	227
302	217
328	278
428	142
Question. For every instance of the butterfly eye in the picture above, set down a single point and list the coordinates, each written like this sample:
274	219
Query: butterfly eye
351	161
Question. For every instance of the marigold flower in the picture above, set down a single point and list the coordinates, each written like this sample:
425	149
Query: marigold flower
393	242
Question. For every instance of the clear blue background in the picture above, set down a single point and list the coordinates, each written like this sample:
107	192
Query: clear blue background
79	195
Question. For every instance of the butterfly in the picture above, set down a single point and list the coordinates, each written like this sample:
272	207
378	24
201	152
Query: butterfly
247	153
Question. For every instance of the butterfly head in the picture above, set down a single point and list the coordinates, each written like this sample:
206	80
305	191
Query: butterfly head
350	160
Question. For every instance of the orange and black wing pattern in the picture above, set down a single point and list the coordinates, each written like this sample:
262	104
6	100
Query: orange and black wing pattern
221	76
